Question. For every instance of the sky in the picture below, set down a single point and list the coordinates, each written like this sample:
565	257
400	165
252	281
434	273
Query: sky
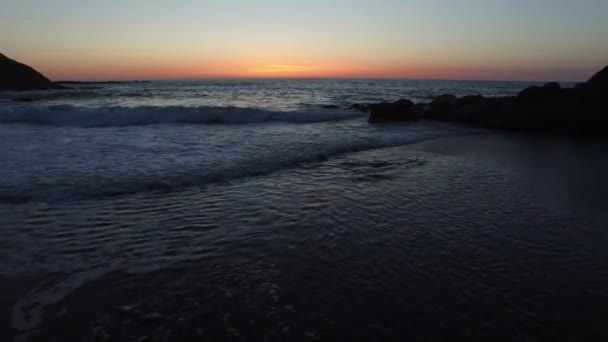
561	40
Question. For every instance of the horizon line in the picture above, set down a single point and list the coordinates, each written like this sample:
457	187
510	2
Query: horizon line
309	78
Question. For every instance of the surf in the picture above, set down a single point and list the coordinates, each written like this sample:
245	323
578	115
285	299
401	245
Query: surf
117	116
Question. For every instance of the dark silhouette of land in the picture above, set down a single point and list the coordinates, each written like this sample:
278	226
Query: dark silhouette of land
548	109
18	76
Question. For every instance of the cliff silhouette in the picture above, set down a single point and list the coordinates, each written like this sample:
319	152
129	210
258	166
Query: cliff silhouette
18	76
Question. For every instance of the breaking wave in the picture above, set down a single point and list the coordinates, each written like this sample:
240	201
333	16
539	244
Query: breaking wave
88	187
67	115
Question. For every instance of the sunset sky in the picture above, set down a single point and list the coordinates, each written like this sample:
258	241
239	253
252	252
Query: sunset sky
157	39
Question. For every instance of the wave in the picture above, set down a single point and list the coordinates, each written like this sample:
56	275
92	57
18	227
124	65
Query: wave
67	115
88	187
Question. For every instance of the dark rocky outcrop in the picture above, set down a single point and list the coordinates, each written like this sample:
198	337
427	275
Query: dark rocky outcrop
550	108
443	102
536	94
363	107
400	110
18	76
598	84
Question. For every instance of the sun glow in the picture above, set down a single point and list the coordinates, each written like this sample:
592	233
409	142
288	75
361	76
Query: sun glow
290	70
283	68
315	69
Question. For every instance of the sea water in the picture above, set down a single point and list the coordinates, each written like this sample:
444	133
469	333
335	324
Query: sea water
247	210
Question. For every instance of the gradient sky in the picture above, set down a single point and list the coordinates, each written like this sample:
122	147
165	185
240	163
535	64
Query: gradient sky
461	39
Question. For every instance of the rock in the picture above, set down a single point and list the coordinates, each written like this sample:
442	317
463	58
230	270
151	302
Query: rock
18	76
581	110
399	110
535	94
596	88
471	108
403	103
553	87
470	100
443	103
599	82
445	99
330	107
360	106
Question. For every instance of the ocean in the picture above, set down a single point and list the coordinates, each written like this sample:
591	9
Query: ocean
250	210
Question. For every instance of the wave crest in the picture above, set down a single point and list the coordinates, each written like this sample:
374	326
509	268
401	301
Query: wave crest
67	115
169	180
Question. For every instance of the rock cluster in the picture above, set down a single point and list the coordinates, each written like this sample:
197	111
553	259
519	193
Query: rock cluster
550	108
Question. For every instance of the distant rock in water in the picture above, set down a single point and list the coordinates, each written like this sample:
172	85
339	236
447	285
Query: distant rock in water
363	107
549	109
18	76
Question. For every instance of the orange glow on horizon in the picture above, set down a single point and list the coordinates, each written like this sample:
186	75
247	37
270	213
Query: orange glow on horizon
233	70
196	69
